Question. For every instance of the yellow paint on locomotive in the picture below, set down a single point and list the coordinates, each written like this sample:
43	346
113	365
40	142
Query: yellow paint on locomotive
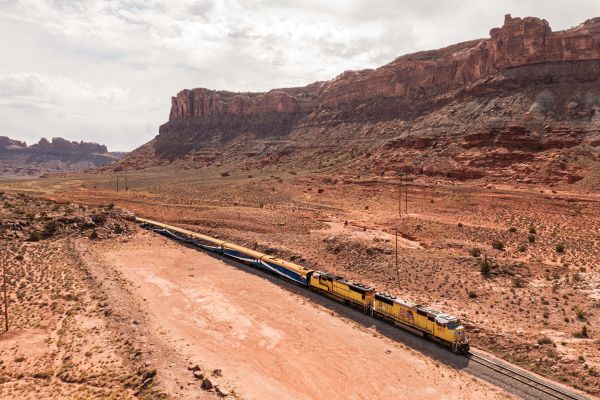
338	287
439	325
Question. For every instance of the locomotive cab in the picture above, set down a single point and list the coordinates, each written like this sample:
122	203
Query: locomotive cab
460	343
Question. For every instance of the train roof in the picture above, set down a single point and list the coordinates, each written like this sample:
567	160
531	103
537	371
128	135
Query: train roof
439	316
338	278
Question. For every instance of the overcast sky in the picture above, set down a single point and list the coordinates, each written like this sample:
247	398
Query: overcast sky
105	71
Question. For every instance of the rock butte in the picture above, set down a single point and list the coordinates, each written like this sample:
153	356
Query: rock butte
58	155
519	42
525	89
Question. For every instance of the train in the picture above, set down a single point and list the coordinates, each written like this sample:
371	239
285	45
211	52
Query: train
433	325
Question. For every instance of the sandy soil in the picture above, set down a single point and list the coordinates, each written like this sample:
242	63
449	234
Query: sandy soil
61	342
537	307
269	343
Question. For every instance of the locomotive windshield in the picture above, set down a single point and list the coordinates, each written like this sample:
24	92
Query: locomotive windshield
454	324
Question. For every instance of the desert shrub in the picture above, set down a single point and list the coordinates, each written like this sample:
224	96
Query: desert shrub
523	248
93	235
50	229
485	267
110	206
472	294
34	236
580	314
118	229
475	252
19	257
519	282
546	314
544	340
560	248
460	225
498	245
582	334
225	173
99	219
30	216
512	229
42	375
532	230
531	238
320	190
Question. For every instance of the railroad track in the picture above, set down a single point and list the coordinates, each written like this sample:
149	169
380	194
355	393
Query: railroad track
526	379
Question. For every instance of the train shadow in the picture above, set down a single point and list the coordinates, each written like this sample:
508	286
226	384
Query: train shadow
409	339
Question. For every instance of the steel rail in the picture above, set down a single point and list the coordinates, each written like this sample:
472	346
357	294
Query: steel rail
523	378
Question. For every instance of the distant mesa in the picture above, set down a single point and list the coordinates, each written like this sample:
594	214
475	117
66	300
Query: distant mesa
506	108
56	156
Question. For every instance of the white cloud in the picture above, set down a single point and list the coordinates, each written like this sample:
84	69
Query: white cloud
105	70
33	89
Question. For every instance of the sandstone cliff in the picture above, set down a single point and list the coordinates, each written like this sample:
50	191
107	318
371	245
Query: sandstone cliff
59	155
519	104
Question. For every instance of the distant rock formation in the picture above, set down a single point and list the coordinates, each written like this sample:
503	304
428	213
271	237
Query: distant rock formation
518	42
505	107
60	155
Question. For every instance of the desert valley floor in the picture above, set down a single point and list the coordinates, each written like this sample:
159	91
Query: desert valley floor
147	307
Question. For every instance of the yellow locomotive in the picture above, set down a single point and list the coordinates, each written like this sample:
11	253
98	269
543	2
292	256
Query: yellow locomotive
431	324
337	287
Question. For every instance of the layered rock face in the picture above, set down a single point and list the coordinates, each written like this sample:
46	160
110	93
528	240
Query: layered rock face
519	42
523	78
59	155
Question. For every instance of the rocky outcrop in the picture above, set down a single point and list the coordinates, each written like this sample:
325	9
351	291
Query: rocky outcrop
6	142
518	42
59	155
63	146
526	91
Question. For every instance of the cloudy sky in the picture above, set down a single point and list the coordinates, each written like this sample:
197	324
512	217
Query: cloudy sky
104	71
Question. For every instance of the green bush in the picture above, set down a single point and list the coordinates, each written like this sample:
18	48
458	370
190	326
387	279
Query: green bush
34	236
582	334
531	238
532	230
99	219
544	340
475	252
523	248
560	248
519	282
485	267
498	245
512	229
50	228
472	294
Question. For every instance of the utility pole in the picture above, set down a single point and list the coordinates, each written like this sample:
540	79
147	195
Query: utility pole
5	297
406	195
126	185
400	198
397	270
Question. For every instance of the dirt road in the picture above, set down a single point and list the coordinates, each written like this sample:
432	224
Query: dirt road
269	343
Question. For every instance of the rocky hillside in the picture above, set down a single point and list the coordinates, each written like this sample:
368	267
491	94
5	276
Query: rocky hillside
60	155
523	104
